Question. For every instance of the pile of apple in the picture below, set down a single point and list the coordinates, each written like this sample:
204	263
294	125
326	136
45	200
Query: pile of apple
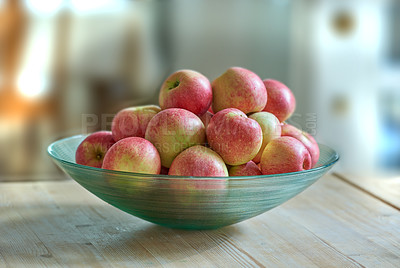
233	126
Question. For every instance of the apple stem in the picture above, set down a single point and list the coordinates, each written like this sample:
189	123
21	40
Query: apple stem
172	85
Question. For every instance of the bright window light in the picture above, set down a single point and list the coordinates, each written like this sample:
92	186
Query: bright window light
84	6
44	7
32	85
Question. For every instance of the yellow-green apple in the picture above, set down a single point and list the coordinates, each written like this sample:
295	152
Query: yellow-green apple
186	89
271	129
234	136
172	131
133	121
248	169
198	161
92	149
133	154
281	101
284	155
305	138
239	88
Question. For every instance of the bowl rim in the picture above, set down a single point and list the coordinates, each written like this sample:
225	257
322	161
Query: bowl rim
50	150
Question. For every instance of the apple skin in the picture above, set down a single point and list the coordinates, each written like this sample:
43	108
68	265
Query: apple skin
198	161
239	88
174	130
92	149
284	155
133	154
281	101
192	193
271	129
234	136
314	150
248	169
308	140
206	118
133	121
186	89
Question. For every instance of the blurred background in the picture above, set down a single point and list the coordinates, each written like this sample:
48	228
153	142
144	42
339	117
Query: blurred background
66	66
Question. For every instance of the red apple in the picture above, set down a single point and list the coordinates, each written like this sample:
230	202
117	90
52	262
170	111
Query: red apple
234	136
248	169
239	88
271	128
174	130
284	155
314	150
186	89
305	138
133	154
92	149
281	101
133	121
206	118
198	161
192	192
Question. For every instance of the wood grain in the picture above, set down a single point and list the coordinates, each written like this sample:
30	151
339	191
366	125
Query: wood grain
385	189
332	224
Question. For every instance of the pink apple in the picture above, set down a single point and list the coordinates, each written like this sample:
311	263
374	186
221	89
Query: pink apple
248	169
133	154
271	128
305	138
92	149
284	155
239	88
314	150
234	136
186	89
193	193
206	118
133	121
198	161
281	101
174	130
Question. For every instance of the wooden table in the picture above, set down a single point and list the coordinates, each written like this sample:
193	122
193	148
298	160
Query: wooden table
337	222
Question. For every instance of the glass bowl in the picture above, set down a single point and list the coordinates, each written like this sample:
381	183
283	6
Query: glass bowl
188	202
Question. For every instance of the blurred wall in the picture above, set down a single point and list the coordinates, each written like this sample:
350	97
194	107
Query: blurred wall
67	66
342	61
210	36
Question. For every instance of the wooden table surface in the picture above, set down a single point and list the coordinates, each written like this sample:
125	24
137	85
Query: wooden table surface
338	222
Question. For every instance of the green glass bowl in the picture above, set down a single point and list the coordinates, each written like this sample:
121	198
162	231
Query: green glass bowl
188	202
